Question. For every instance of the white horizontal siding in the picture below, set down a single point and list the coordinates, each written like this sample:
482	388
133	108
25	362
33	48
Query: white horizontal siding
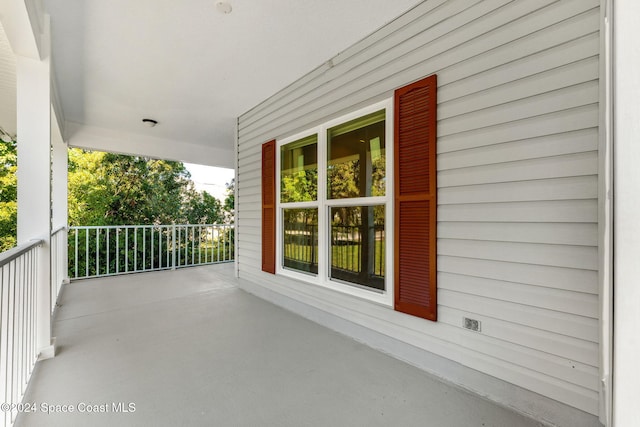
545	146
558	100
553	82
570	279
538	211
579	118
581	257
555	59
570	188
577	234
518	114
582	304
568	165
571	325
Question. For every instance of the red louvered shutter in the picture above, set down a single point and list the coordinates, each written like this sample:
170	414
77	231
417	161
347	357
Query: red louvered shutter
269	207
415	199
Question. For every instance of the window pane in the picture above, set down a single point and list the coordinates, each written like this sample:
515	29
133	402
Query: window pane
356	158
358	245
301	239
299	170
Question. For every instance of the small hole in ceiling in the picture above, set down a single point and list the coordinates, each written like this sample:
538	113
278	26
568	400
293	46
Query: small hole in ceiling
224	7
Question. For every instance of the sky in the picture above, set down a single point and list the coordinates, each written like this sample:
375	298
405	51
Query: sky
212	180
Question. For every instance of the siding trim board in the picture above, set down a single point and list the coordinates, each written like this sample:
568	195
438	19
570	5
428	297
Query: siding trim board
518	155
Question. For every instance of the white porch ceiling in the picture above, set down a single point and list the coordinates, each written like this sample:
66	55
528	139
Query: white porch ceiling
190	67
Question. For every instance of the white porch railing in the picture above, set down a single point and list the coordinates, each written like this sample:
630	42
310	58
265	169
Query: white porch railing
18	346
96	251
58	263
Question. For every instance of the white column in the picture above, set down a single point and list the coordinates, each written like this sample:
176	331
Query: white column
59	181
59	185
34	177
626	335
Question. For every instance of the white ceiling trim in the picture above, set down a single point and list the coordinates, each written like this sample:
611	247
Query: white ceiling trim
122	142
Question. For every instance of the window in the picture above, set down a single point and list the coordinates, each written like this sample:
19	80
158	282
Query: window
356	164
356	158
333	204
358	245
299	193
336	221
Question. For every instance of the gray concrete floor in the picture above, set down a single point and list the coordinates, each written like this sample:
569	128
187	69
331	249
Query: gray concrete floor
188	348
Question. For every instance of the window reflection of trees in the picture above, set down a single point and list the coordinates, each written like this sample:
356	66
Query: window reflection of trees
301	239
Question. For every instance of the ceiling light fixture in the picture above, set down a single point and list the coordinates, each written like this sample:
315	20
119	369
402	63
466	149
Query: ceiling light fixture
149	122
5	136
224	7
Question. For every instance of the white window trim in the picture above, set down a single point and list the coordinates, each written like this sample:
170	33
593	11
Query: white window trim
323	204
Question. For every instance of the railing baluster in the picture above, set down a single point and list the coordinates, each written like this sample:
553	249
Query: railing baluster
108	260
117	250
144	248
206	243
225	242
173	247
193	245
76	253
22	357
13	336
212	243
126	249
86	247
4	343
135	249
160	247
18	278
97	252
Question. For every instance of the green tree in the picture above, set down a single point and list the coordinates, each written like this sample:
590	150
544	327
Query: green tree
8	195
203	208
115	189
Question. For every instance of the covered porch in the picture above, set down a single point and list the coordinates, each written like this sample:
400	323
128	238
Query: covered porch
189	347
195	347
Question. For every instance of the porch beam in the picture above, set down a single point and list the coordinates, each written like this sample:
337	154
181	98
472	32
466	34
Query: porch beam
23	22
119	141
59	194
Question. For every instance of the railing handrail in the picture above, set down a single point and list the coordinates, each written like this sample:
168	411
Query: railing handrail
105	250
112	227
13	253
59	229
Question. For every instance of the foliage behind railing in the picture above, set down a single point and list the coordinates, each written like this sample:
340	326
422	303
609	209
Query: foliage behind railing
110	250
